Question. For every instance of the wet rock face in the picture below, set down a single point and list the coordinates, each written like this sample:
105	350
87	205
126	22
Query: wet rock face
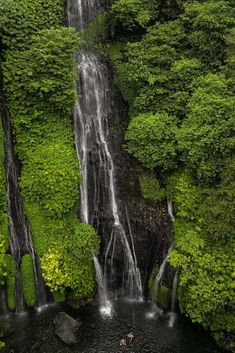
67	328
149	221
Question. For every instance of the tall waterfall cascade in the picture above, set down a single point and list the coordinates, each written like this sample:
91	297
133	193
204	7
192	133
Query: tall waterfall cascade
19	234
92	144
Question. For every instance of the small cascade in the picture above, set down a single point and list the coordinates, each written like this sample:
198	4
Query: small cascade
19	235
173	297
170	210
105	303
164	263
81	12
91	137
161	271
139	293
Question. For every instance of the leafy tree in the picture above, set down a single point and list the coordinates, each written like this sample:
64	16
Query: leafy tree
206	137
151	139
217	211
207	23
38	76
186	196
131	14
207	290
20	19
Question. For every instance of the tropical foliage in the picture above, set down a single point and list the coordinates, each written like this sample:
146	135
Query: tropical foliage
176	70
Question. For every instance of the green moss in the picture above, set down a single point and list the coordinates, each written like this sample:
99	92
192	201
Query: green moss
28	280
59	297
163	295
150	188
11	283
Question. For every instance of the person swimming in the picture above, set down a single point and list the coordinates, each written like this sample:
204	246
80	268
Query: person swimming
122	342
130	336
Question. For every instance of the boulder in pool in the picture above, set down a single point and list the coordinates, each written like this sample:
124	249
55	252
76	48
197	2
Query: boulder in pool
67	328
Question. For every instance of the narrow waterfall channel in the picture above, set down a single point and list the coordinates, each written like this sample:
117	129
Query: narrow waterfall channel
19	234
173	298
91	136
162	268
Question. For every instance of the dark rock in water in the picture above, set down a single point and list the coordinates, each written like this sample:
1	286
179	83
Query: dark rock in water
67	328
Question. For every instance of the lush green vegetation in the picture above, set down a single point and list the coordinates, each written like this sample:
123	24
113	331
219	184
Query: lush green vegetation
68	263
151	188
28	280
39	71
175	68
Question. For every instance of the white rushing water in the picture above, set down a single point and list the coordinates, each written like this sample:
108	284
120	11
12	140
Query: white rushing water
164	262
91	137
105	303
173	298
98	189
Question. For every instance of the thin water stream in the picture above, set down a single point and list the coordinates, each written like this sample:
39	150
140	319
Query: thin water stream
19	234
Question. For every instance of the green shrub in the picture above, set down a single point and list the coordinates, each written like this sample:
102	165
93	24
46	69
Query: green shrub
145	132
50	176
69	265
150	188
28	280
133	13
19	20
41	78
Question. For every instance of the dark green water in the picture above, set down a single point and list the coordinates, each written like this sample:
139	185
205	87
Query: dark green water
35	332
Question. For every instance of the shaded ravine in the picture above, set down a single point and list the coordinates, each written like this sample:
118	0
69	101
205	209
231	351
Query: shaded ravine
20	239
91	136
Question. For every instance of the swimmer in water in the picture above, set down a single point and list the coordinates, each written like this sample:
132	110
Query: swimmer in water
130	336
122	342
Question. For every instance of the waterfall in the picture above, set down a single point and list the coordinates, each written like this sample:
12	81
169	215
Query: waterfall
173	297
163	265
170	210
98	189
3	301
105	304
161	271
19	235
80	12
